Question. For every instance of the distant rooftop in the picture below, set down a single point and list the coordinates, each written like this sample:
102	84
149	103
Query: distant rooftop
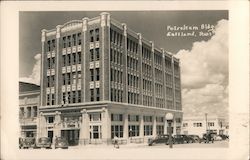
28	87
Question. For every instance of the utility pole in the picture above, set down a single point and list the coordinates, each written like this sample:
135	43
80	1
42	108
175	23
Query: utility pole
206	121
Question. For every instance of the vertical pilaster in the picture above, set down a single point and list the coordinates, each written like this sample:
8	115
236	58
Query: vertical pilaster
140	69
84	130
57	95
154	125
125	125
105	53
125	70
106	124
141	133
84	51
164	79
42	125
153	70
57	124
173	78
43	93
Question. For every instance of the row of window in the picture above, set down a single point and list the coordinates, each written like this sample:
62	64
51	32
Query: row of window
158	75
146	53
132	63
72	97
147	100
94	54
132	46
71	59
94	35
133	81
158	58
116	37
116	75
146	70
133	98
116	95
95	94
50	99
51	62
158	89
95	74
116	56
72	40
28	112
147	85
66	78
51	81
159	103
51	45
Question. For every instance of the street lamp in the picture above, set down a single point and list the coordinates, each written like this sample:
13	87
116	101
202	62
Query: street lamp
169	117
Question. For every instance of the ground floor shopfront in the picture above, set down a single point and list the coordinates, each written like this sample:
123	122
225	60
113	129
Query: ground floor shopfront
100	123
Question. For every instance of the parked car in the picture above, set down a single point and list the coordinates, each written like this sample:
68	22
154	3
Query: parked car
61	143
44	142
20	142
224	137
208	137
217	138
181	138
160	139
27	142
195	138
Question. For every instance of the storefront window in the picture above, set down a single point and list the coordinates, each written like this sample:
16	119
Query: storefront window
117	130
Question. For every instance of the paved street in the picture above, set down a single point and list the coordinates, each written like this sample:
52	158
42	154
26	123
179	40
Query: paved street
216	144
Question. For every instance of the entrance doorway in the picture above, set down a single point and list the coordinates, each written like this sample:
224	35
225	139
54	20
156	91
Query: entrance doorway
72	136
50	135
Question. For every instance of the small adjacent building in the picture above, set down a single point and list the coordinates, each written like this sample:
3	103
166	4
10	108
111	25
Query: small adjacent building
29	95
201	124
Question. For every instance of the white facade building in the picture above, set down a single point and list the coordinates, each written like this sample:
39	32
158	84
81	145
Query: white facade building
198	125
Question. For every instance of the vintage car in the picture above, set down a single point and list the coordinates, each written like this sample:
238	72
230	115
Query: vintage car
27	142
208	137
160	139
44	142
61	143
181	138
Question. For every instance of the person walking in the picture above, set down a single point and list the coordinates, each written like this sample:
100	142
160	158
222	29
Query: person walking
116	145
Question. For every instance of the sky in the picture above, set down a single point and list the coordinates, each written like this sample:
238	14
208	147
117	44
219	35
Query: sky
203	57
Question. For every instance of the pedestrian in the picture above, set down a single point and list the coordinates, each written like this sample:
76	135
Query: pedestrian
116	145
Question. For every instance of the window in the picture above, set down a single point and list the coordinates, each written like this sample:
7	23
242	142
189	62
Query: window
73	97
74	40
97	94
79	57
52	81
147	118
117	130
92	95
148	130
97	74
97	54
64	42
91	75
64	98
97	34
79	38
210	124
69	97
74	58
48	44
133	118
68	57
28	112
48	81
69	41
79	96
178	120
197	124
159	129
48	99
64	79
185	125
50	119
53	44
91	55
116	117
64	60
68	78
95	117
49	65
91	36
133	130
52	99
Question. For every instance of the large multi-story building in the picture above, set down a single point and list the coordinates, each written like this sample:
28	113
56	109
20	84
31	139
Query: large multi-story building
100	79
29	96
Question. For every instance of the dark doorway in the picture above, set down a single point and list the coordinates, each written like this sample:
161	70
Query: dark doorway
72	136
50	135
